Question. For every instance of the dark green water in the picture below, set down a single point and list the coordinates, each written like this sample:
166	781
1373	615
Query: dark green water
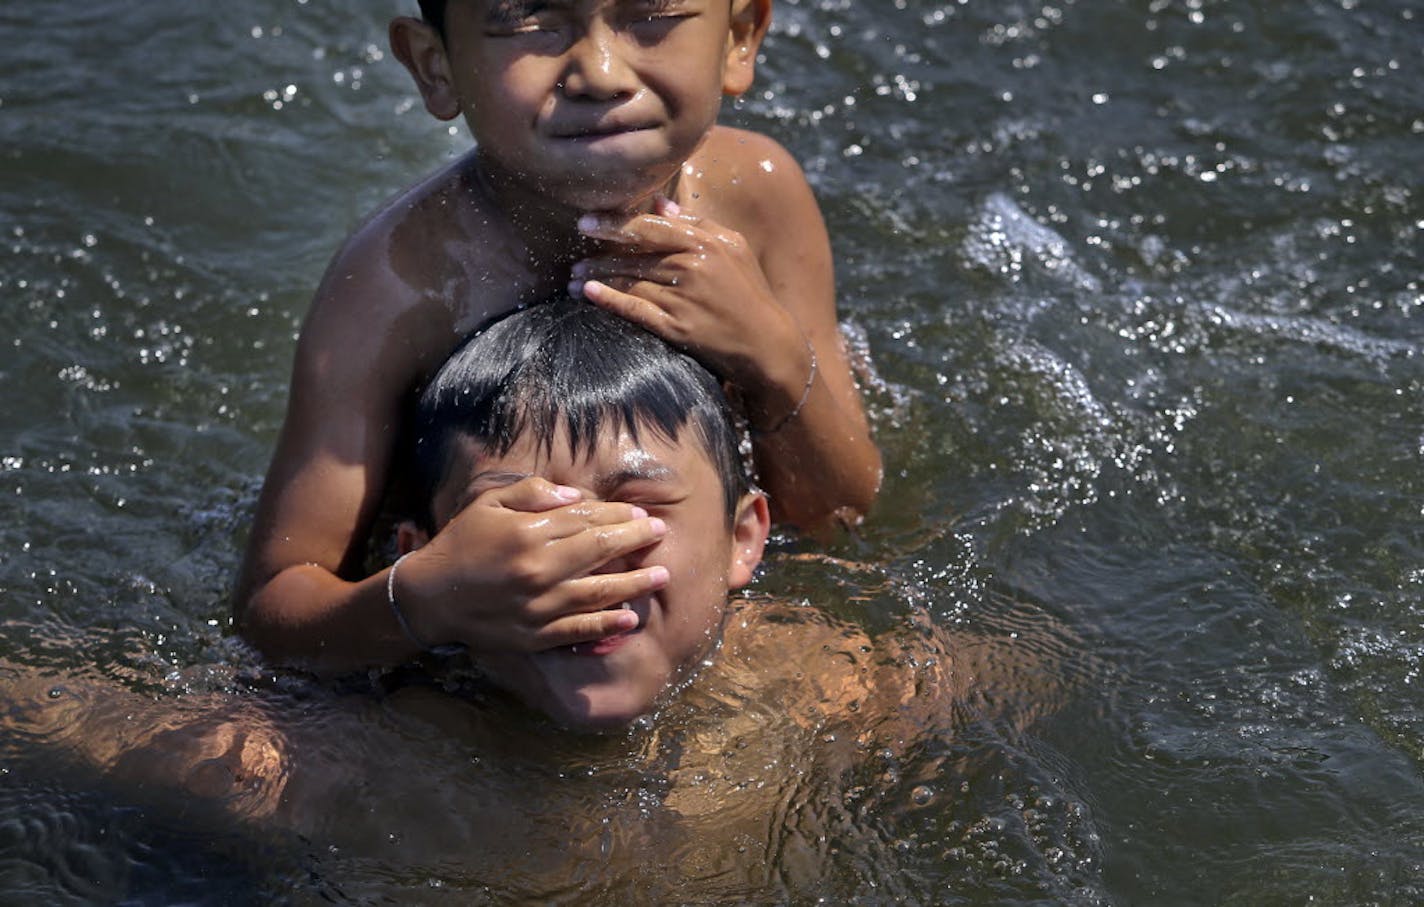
1141	284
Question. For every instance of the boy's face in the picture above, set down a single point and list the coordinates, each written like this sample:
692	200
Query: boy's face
614	681
593	104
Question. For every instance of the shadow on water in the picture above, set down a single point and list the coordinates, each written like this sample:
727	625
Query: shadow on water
1137	290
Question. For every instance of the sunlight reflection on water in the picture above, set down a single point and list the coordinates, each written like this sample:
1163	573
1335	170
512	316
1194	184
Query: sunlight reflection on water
1137	286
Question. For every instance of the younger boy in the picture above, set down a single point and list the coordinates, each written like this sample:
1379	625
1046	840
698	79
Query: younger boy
599	166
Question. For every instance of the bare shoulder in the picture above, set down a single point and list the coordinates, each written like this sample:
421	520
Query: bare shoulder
391	297
742	153
838	671
752	182
393	259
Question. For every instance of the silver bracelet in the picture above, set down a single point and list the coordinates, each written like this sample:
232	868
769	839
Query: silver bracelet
805	395
395	608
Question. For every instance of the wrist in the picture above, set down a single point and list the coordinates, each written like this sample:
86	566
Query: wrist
406	598
397	611
781	397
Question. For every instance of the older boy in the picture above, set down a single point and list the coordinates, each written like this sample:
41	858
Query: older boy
598	165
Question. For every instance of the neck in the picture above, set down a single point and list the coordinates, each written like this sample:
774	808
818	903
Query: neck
547	229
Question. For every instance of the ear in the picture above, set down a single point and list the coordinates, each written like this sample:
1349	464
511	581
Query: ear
750	20
750	527
422	52
409	537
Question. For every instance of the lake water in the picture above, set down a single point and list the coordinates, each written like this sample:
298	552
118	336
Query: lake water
1140	286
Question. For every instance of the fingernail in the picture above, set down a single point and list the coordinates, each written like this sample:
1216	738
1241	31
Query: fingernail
588	223
658	526
659	576
567	493
671	207
638	512
627	620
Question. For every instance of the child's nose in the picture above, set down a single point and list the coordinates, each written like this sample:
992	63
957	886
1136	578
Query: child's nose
595	67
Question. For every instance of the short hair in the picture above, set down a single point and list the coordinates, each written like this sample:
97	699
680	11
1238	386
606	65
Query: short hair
571	365
433	12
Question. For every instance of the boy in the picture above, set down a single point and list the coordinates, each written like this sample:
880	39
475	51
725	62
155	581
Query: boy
571	394
598	165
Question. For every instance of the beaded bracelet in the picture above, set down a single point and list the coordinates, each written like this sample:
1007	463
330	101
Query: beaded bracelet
395	608
805	395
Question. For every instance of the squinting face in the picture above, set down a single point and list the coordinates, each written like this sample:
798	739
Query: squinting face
594	104
611	682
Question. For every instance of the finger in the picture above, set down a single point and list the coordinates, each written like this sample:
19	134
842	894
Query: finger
654	267
635	308
596	546
666	207
576	518
594	594
531	494
580	628
646	231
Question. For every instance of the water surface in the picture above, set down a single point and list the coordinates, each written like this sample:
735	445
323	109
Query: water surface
1139	282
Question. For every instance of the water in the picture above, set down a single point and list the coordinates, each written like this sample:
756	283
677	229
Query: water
1140	282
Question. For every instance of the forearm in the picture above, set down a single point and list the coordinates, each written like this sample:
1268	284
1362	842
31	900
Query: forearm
815	457
307	616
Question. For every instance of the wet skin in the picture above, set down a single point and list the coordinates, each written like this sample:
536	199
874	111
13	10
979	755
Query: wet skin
587	104
704	552
575	106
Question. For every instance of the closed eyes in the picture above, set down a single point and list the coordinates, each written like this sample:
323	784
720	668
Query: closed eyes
522	15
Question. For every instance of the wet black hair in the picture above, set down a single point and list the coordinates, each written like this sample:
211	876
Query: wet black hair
433	12
571	365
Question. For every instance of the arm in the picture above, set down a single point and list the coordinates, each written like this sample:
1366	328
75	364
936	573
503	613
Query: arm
757	307
298	597
488	579
820	464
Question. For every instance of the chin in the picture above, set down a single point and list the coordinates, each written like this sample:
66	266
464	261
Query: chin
587	200
586	692
596	711
621	192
